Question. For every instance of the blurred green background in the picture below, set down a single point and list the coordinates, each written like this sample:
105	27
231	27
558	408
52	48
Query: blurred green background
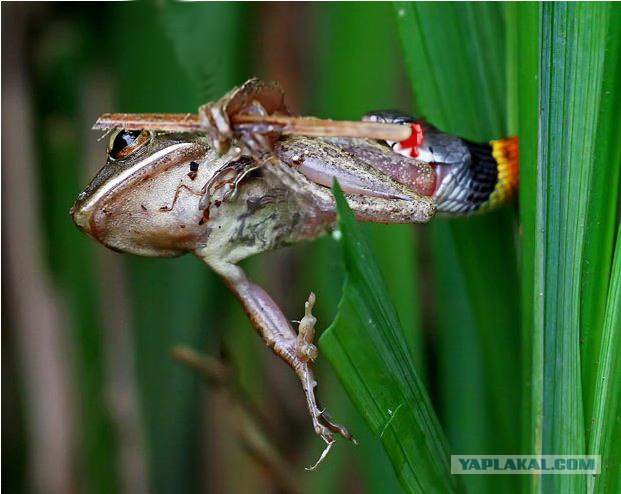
98	403
94	401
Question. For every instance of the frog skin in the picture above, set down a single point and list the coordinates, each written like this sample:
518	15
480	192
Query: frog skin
225	196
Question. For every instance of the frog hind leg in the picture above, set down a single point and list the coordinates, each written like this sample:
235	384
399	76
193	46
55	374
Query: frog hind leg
417	175
310	165
296	349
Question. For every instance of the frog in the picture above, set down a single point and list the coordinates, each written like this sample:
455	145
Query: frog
225	195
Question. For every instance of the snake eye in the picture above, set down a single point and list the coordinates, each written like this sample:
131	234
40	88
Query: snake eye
124	143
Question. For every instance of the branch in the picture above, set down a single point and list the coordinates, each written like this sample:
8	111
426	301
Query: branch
308	126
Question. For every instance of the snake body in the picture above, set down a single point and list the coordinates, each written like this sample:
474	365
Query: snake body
470	176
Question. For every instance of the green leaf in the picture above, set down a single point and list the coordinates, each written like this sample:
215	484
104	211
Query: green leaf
208	43
462	383
455	55
523	22
562	71
366	346
452	51
602	208
604	439
573	38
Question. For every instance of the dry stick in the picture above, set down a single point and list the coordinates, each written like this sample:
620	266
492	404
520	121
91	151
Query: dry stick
187	122
249	424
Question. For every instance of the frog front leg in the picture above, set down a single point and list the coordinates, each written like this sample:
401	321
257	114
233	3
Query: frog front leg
296	349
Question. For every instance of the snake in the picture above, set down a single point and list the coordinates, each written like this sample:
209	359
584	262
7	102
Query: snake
471	177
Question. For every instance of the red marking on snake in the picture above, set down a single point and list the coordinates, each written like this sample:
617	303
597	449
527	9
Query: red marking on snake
411	144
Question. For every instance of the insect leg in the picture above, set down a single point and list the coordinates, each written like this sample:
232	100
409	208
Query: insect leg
254	97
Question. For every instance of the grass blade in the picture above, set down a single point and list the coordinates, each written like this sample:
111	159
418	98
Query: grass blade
602	209
604	439
455	57
523	20
463	391
366	346
208	44
572	55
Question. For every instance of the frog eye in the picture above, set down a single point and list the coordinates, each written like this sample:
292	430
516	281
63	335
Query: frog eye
123	143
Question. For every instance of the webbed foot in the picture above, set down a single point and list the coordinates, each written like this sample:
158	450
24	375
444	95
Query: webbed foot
306	353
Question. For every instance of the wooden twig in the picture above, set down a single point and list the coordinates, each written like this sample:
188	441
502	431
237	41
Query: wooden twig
188	122
249	423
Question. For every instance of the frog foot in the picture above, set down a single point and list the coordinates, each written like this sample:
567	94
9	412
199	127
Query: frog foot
306	353
253	98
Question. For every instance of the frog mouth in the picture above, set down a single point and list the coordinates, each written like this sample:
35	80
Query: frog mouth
82	219
106	181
